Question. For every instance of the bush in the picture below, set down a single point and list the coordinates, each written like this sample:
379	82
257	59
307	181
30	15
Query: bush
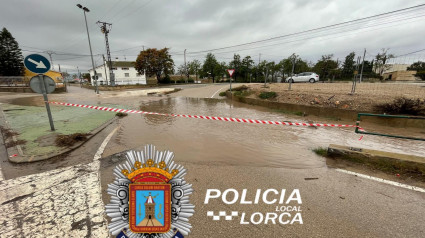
267	95
165	80
320	151
222	94
240	88
402	106
242	93
420	74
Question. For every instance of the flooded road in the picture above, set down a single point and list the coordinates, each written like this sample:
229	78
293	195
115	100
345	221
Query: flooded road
230	143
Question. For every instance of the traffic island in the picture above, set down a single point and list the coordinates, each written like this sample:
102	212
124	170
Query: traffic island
26	131
388	162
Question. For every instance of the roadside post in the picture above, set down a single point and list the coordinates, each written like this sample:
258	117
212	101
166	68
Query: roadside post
41	83
292	72
231	71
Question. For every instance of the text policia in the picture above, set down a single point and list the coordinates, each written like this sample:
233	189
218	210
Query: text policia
285	206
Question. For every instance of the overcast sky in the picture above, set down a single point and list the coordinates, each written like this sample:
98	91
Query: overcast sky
197	25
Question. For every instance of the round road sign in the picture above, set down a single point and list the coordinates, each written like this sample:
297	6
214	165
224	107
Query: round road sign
36	84
37	63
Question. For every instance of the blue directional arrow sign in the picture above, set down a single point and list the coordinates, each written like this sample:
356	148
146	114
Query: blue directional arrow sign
37	63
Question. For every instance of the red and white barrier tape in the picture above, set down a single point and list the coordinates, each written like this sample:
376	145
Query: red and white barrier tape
108	109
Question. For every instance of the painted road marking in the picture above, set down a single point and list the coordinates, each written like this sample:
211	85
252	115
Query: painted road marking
218	91
397	184
96	163
99	151
1	175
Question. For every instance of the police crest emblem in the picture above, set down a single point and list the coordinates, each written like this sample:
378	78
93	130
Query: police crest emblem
149	196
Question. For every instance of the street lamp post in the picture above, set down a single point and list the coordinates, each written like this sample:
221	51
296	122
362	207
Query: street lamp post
85	9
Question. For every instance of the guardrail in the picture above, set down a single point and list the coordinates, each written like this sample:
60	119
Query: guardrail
386	116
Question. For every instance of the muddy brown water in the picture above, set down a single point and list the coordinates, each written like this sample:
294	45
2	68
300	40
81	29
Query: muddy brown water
241	144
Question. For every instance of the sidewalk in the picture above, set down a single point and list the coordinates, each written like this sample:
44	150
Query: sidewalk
32	125
26	115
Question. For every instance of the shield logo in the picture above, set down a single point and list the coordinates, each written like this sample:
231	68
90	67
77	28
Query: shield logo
150	207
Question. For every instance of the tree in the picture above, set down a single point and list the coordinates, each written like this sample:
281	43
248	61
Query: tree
86	76
300	66
236	64
325	67
348	65
419	67
211	66
194	67
381	60
11	59
155	63
180	70
221	69
246	67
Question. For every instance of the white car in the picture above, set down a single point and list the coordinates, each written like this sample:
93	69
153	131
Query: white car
303	77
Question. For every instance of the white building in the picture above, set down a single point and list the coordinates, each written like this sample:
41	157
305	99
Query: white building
124	71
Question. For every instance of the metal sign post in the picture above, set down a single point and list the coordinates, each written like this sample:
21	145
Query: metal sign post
46	100
41	84
230	71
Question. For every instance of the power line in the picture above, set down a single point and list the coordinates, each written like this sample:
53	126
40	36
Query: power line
126	15
410	53
316	36
312	30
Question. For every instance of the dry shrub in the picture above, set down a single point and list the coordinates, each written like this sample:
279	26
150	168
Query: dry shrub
14	143
7	133
240	88
69	140
403	105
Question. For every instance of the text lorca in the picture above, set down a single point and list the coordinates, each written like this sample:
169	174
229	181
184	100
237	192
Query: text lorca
284	204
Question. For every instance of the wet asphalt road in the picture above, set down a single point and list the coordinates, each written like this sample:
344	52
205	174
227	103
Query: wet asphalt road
222	156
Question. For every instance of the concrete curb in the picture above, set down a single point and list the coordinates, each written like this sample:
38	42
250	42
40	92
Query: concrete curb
380	159
346	114
22	158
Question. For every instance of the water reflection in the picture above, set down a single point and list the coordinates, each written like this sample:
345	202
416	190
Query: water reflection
242	144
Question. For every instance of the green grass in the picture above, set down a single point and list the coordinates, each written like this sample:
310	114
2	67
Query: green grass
242	93
222	94
31	122
321	151
267	95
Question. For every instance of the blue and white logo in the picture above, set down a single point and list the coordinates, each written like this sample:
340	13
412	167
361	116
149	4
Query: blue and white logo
37	63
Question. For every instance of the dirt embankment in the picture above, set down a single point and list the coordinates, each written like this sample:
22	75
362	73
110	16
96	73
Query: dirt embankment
338	95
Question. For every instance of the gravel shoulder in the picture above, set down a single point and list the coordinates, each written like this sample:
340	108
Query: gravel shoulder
338	95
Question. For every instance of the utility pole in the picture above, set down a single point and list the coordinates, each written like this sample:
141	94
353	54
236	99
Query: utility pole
104	66
353	87
79	77
361	72
258	66
185	67
51	60
292	72
85	9
105	28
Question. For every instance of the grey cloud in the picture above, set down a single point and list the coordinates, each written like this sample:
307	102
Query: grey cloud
200	25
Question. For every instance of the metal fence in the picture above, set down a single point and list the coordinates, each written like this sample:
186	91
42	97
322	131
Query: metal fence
18	81
14	81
